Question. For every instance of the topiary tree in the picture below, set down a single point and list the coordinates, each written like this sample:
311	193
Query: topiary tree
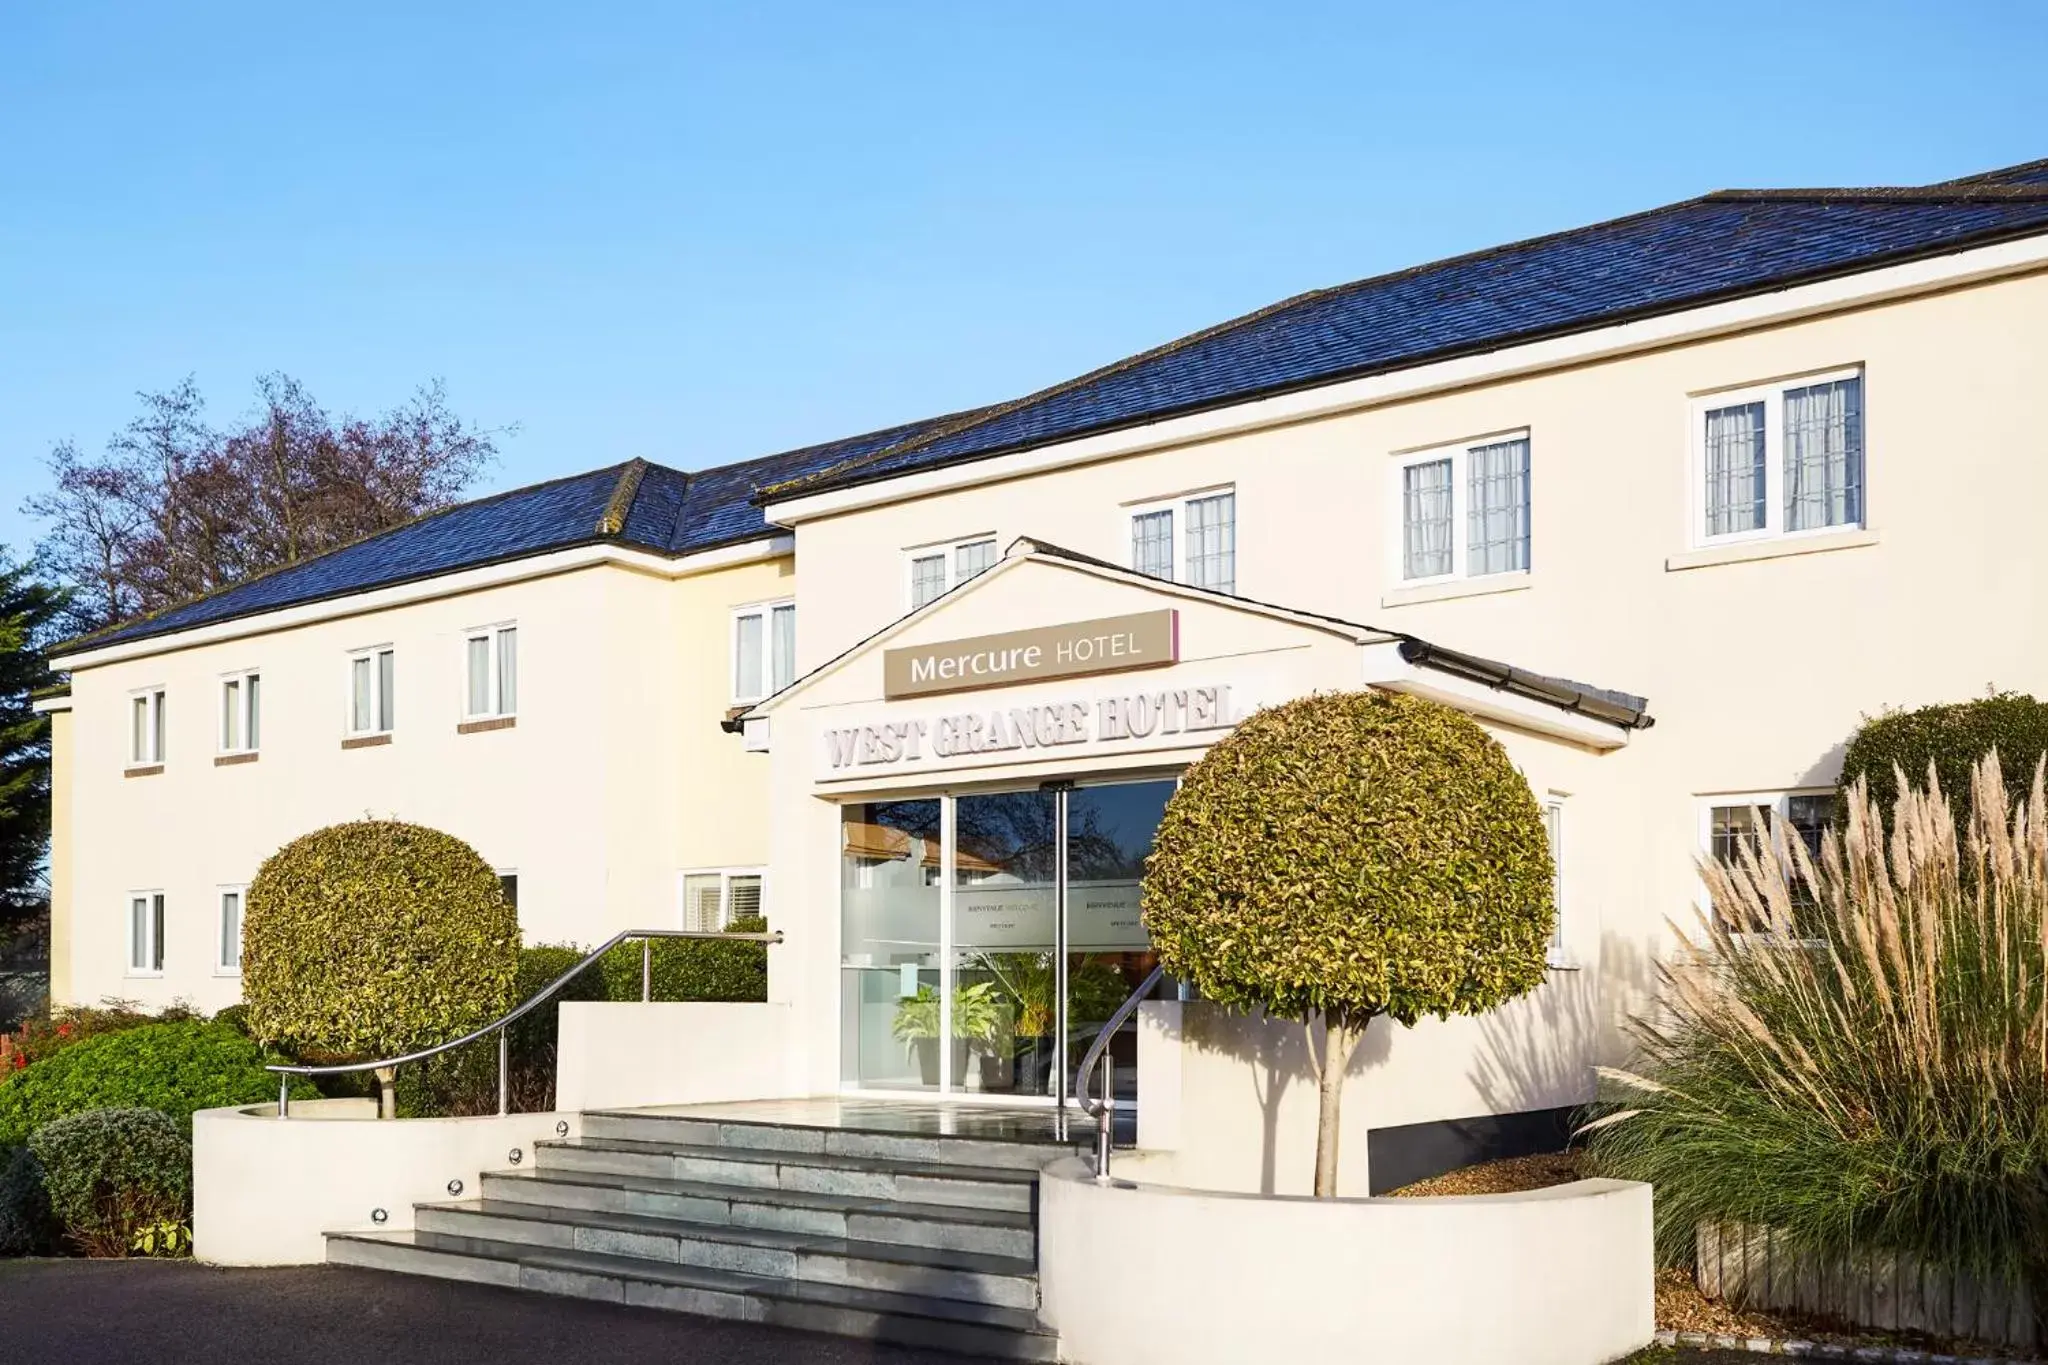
375	938
1349	855
1952	737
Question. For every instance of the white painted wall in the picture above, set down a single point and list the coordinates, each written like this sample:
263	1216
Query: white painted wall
618	1055
264	1189
1553	1277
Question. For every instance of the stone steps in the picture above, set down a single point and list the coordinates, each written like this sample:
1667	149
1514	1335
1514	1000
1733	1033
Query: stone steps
871	1314
864	1143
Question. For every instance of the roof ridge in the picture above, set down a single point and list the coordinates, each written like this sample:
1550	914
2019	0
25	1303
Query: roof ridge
1948	193
620	506
145	617
1993	177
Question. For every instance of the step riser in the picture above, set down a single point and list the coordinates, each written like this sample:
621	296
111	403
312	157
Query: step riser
1005	1291
764	1137
740	1211
966	1338
947	1191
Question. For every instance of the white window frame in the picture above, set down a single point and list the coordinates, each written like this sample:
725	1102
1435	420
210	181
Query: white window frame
1459	453
1778	803
152	964
510	874
1556	806
223	965
1176	506
494	683
249	708
1772	395
766	612
725	877
950	551
382	707
156	731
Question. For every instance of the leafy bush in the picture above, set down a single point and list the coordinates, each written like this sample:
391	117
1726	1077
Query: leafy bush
111	1173
235	1017
1880	1086
465	1081
70	1024
174	1068
693	969
24	1206
373	939
1952	737
1348	855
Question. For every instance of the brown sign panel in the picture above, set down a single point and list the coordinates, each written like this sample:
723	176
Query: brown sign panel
1112	644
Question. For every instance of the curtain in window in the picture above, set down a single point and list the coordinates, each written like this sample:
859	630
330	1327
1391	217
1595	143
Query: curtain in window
976	557
1824	455
746	898
1212	542
1735	469
746	652
138	740
927	579
1152	544
480	676
255	735
508	671
230	930
359	694
387	690
1426	519
1497	508
782	661
702	902
138	934
231	714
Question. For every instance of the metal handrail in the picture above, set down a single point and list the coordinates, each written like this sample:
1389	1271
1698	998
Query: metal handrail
1104	1110
285	1071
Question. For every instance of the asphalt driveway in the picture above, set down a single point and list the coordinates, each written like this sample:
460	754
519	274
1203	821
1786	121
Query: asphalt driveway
171	1312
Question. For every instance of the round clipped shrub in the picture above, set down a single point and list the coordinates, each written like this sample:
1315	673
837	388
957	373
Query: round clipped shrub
1349	855
373	939
175	1069
1953	737
111	1173
24	1205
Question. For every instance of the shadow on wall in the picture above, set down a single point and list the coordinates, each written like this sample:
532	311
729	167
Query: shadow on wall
1540	1052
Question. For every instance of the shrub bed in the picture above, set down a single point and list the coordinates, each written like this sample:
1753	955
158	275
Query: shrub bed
692	969
465	1081
1952	737
174	1068
114	1175
70	1025
24	1206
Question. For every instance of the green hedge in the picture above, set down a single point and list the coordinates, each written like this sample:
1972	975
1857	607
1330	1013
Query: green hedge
24	1205
174	1068
465	1081
693	969
110	1173
1953	736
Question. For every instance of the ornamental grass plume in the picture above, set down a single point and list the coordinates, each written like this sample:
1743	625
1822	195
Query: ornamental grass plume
1859	1058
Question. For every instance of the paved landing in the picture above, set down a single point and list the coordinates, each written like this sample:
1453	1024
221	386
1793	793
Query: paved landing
911	1115
175	1312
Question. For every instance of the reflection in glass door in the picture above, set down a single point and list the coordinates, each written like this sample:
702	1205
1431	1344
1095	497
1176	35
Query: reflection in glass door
1004	924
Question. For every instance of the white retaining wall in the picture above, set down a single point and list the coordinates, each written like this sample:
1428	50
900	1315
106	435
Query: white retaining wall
617	1055
1145	1274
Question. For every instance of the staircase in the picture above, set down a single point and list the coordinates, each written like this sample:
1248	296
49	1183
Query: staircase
910	1238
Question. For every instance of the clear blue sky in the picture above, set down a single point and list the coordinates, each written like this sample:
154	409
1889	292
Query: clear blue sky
701	233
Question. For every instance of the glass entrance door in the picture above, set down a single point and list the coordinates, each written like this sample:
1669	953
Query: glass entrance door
1005	924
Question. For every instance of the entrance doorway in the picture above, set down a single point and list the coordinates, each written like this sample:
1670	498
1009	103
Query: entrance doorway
988	937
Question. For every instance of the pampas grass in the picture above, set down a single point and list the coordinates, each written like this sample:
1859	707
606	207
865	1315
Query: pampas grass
1859	1057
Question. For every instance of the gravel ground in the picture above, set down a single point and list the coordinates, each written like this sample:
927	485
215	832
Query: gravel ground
1507	1176
171	1312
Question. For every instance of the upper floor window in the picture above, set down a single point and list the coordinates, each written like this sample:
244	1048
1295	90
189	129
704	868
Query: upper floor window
937	569
712	900
372	691
1779	460
491	656
1464	510
763	650
1205	527
241	713
146	728
145	933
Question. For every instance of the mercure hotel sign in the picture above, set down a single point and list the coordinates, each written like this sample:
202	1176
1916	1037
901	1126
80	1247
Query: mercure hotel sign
1111	644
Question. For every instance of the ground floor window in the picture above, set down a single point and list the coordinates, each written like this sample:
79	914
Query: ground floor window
713	898
1731	823
229	960
145	933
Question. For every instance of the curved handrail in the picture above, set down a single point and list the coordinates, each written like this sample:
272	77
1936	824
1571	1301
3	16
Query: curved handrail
1101	1110
285	1071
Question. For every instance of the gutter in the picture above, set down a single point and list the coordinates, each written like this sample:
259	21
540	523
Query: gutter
1522	683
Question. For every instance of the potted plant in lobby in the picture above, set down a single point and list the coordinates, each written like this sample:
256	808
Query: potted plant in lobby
979	1021
1349	855
1028	982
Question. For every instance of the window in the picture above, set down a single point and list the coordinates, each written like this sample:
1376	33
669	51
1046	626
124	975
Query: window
492	657
1464	510
241	713
508	886
713	899
936	569
1732	823
146	728
372	692
229	959
763	650
1781	460
1208	540
1553	825
145	933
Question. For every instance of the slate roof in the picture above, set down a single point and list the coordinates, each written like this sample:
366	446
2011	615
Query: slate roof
638	504
1725	245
